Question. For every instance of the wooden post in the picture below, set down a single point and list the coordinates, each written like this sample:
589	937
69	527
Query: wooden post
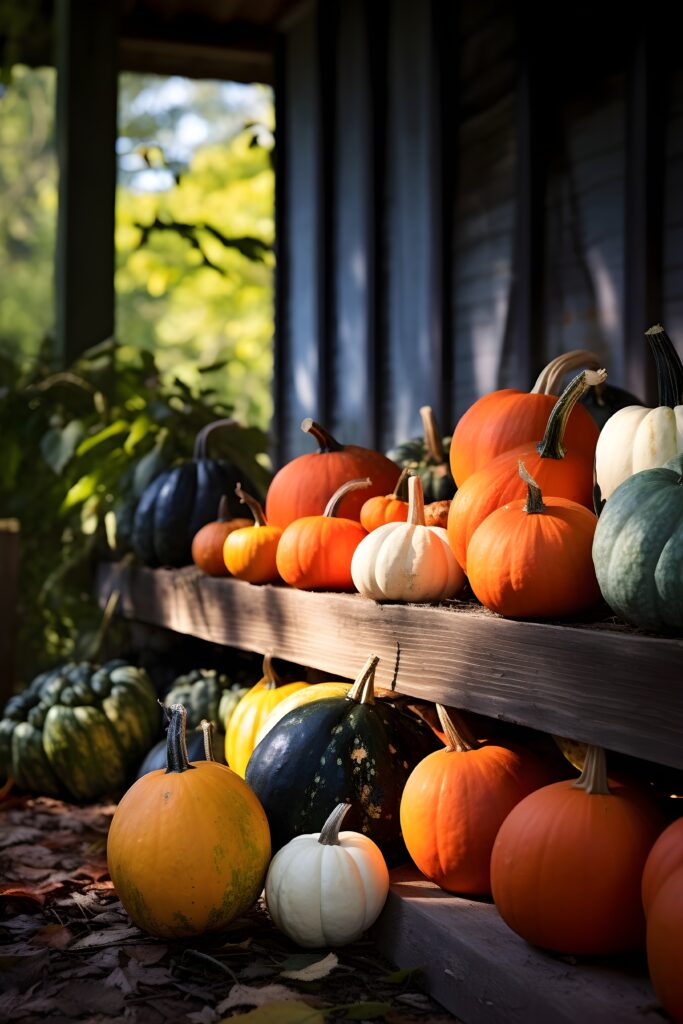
87	41
9	599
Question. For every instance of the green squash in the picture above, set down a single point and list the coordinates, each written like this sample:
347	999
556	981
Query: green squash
638	548
80	730
428	458
336	749
201	692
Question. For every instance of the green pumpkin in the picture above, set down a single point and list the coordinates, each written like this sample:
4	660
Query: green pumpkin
428	458
79	730
201	692
638	548
336	749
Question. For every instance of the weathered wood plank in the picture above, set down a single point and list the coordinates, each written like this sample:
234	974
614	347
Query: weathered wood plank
609	686
482	972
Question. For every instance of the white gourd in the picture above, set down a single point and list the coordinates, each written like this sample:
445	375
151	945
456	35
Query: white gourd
407	561
327	888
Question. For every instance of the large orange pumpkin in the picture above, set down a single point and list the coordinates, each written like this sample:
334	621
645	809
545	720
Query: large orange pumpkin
666	856
455	801
567	863
304	486
533	558
207	543
188	847
558	471
665	945
315	552
249	553
504	419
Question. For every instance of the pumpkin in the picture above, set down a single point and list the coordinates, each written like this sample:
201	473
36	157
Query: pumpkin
637	438
188	847
665	944
340	749
427	456
79	730
314	691
201	692
558	471
436	513
249	553
304	486
638	548
456	799
387	508
567	863
533	558
207	543
178	502
326	889
505	419
407	561
251	712
315	552
665	857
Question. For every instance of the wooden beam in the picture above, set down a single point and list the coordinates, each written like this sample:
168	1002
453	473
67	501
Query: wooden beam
9	601
86	147
601	684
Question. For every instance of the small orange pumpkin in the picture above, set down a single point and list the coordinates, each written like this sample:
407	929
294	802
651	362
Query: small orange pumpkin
387	508
207	544
249	553
315	552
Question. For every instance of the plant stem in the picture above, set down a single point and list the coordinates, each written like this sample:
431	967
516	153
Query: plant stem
363	689
202	437
458	734
416	502
253	505
433	445
534	498
176	745
329	833
326	443
551	447
669	367
593	779
207	729
341	492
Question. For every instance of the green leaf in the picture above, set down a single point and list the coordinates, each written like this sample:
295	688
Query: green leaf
58	446
115	428
80	491
398	977
291	1011
141	427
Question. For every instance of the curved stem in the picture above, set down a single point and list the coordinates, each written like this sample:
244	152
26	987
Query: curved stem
549	379
363	689
329	833
202	437
416	502
551	446
534	498
435	452
271	677
326	443
593	779
207	729
253	505
341	492
669	367
176	746
400	491
223	509
458	734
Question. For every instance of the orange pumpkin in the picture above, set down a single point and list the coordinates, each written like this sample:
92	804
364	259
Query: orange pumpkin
559	472
665	945
455	801
315	552
533	558
666	856
387	508
305	485
249	553
207	544
507	418
568	860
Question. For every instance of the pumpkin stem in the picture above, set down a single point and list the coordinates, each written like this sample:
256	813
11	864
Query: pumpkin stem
400	491
329	833
223	509
593	778
363	689
416	502
273	680
202	437
458	734
207	729
551	446
253	505
176	745
105	623
534	498
326	443
669	367
549	380
433	445
350	485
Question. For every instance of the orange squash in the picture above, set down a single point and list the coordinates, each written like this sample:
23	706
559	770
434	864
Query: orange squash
387	508
665	945
666	856
249	553
558	471
207	543
567	863
315	552
455	801
507	418
533	558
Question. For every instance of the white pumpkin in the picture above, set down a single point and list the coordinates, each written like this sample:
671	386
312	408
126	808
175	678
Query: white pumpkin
407	561
637	438
327	888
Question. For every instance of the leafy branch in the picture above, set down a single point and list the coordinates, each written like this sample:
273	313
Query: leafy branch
254	249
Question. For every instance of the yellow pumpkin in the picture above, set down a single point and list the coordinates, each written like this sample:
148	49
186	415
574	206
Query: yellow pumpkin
314	691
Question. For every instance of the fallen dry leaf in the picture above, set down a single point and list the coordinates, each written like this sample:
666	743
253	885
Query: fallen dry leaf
147	954
107	937
313	972
289	1012
248	995
205	1016
54	936
33	893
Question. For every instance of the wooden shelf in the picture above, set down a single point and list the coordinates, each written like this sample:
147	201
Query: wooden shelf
598	683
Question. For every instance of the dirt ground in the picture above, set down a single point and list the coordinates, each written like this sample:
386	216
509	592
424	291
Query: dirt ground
69	952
